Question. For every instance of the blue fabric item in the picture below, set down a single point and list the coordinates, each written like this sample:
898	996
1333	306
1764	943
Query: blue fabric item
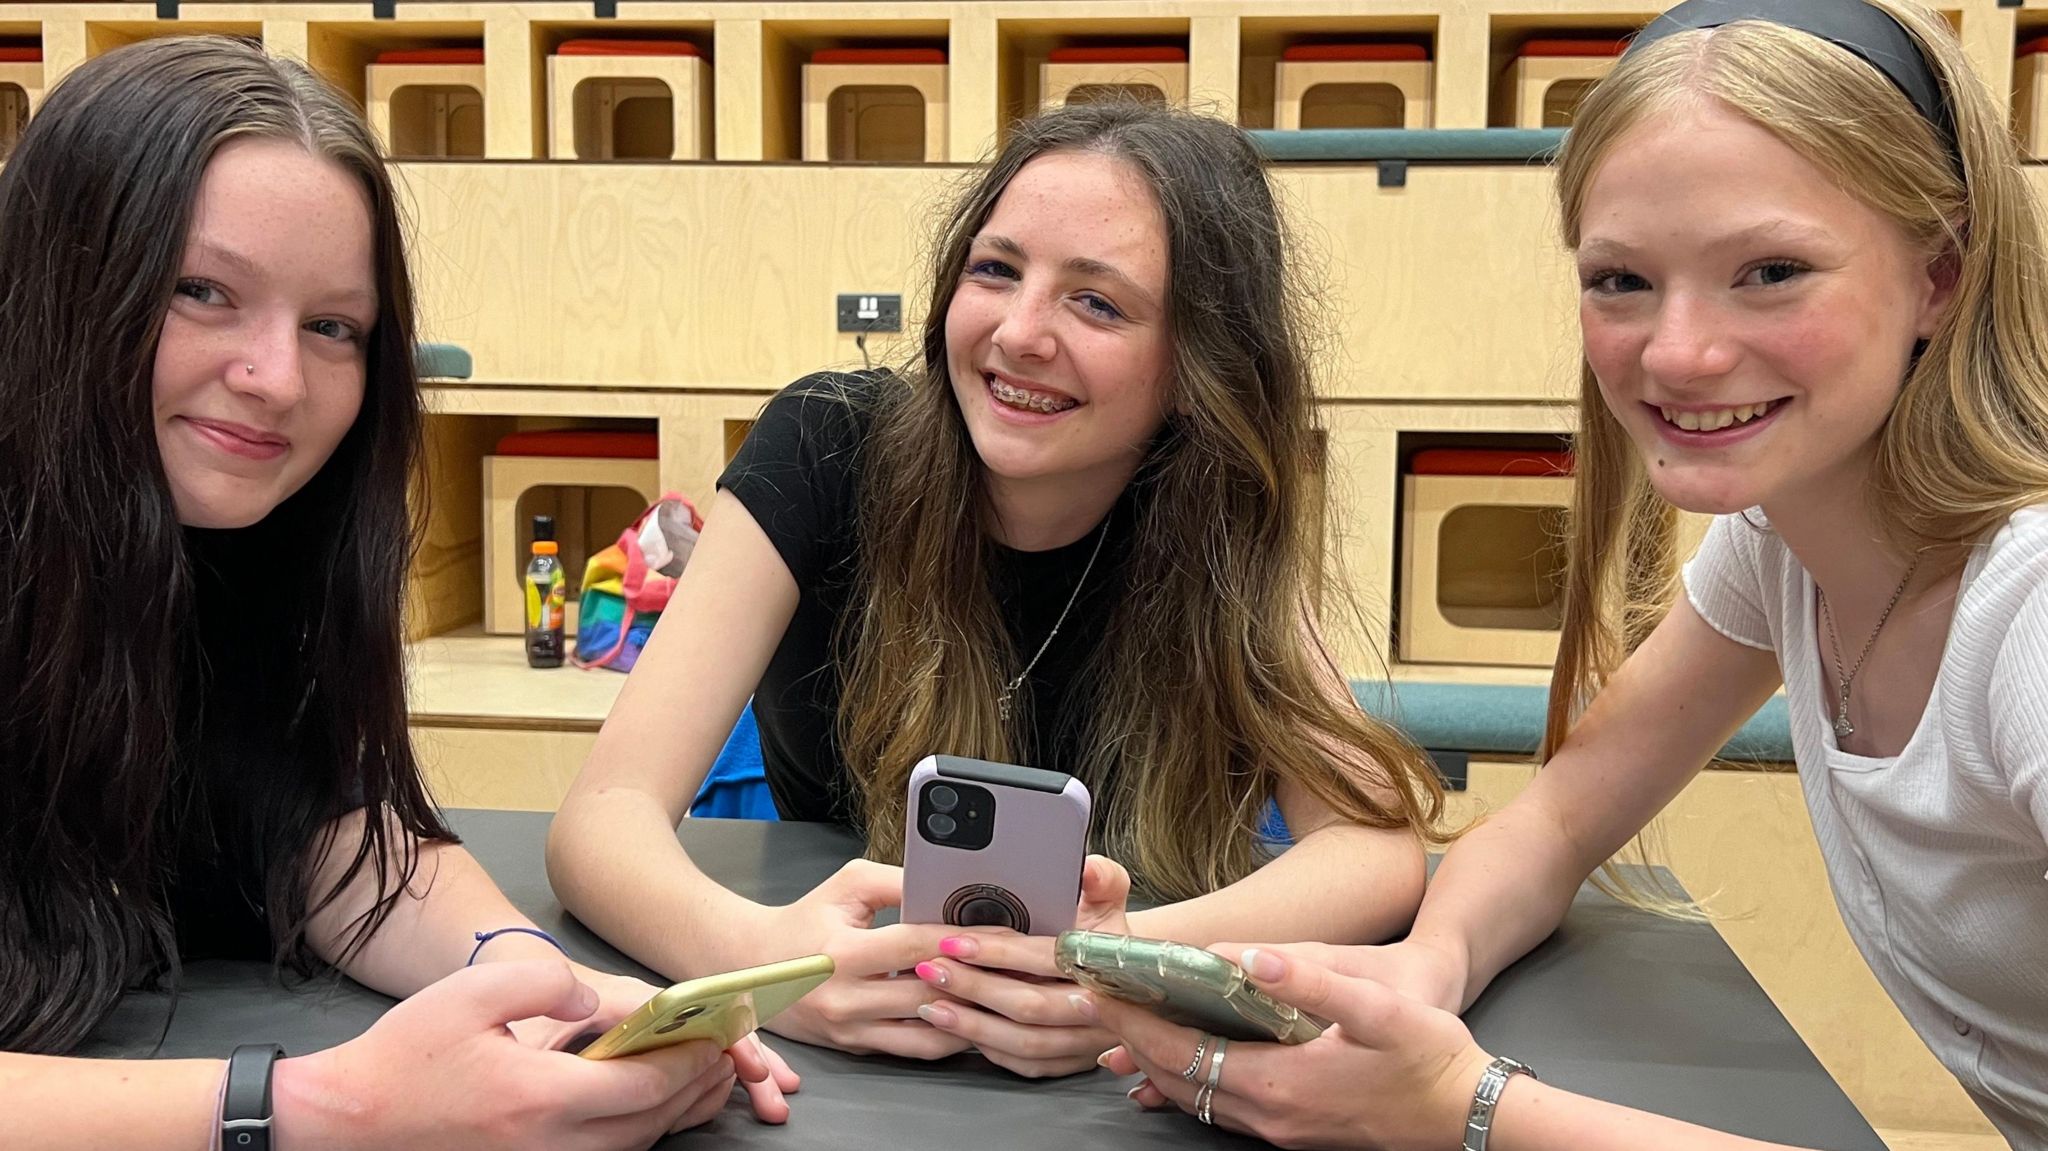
1273	833
1508	719
737	787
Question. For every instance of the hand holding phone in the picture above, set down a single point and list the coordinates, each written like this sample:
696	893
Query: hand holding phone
1182	984
993	845
723	1008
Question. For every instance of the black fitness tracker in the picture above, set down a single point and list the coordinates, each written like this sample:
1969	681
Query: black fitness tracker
245	1102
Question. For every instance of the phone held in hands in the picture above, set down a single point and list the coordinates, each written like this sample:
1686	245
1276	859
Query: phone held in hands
993	845
723	1008
1182	984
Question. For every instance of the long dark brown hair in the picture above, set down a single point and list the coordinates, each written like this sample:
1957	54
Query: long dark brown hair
1207	695
124	635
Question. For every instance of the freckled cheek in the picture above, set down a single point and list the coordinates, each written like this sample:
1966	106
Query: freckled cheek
970	319
1614	349
1811	351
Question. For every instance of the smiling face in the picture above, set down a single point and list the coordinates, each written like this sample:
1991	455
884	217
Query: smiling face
1749	322
260	369
1056	337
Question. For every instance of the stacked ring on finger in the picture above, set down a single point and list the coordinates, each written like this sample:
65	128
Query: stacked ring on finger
1195	1064
1207	1094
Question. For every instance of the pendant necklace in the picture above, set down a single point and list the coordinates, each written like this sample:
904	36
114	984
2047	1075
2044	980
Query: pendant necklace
1010	689
1843	728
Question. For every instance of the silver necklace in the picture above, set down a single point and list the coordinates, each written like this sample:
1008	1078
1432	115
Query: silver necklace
1843	728
1010	689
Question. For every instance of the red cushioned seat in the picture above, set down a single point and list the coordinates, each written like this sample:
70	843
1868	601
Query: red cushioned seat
588	444
1120	54
627	48
21	55
2034	47
1573	48
1489	462
879	56
1306	52
431	56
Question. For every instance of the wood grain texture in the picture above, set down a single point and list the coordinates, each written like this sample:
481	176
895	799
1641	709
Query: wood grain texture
718	276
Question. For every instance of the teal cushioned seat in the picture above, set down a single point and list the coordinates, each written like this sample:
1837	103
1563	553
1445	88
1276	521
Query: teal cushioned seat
1420	145
441	362
1499	719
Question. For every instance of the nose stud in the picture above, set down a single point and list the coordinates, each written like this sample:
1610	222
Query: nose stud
249	368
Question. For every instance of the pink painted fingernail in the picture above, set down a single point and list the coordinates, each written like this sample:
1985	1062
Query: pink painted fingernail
937	1014
1083	1006
932	973
958	947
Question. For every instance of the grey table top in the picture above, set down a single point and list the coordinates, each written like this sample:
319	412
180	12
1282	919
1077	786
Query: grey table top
1618	1004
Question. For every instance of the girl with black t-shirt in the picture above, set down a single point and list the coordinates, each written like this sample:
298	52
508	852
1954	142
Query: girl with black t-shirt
1081	531
208	415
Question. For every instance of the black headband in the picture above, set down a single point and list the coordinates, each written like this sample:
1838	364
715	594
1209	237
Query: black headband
1852	25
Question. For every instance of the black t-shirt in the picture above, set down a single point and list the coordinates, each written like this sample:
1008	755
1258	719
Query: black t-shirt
217	898
254	767
799	476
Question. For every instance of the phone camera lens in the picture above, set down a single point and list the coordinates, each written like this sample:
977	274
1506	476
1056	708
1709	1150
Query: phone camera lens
944	798
940	824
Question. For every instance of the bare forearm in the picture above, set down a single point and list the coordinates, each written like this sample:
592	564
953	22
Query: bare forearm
56	1104
1500	891
1535	1116
1339	884
615	864
432	927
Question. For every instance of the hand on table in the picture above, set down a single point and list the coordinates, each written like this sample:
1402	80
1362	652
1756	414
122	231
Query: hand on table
760	1070
444	1071
1003	993
1390	1073
871	1002
1421	971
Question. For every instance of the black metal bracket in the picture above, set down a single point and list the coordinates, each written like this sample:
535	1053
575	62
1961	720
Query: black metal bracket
384	9
605	9
1393	173
167	9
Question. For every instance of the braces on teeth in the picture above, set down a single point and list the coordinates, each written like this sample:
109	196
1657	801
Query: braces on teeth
1018	397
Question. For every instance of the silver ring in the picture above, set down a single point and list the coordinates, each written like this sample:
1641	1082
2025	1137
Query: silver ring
1195	1064
1203	1098
1216	1065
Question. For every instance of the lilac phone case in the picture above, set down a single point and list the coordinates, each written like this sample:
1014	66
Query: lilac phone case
1032	862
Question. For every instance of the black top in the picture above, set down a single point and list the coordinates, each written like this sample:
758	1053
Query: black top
798	475
254	769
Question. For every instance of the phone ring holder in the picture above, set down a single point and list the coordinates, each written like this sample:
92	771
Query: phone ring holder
987	905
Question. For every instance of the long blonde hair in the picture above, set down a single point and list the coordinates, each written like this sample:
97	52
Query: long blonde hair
1208	697
1966	443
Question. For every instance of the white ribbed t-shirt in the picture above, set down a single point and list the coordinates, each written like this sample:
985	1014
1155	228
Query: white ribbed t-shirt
1938	856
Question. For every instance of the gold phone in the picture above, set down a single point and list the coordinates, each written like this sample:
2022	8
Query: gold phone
1182	984
722	1008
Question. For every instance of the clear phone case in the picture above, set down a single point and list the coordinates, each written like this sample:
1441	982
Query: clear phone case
1187	985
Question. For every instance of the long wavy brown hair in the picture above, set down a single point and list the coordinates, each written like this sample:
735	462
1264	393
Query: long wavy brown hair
1966	444
1208	696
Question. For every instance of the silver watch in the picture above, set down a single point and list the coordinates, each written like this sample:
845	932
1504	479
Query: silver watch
1479	1120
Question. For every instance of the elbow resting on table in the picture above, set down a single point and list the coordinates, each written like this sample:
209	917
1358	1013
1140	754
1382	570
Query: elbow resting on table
564	855
1400	879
